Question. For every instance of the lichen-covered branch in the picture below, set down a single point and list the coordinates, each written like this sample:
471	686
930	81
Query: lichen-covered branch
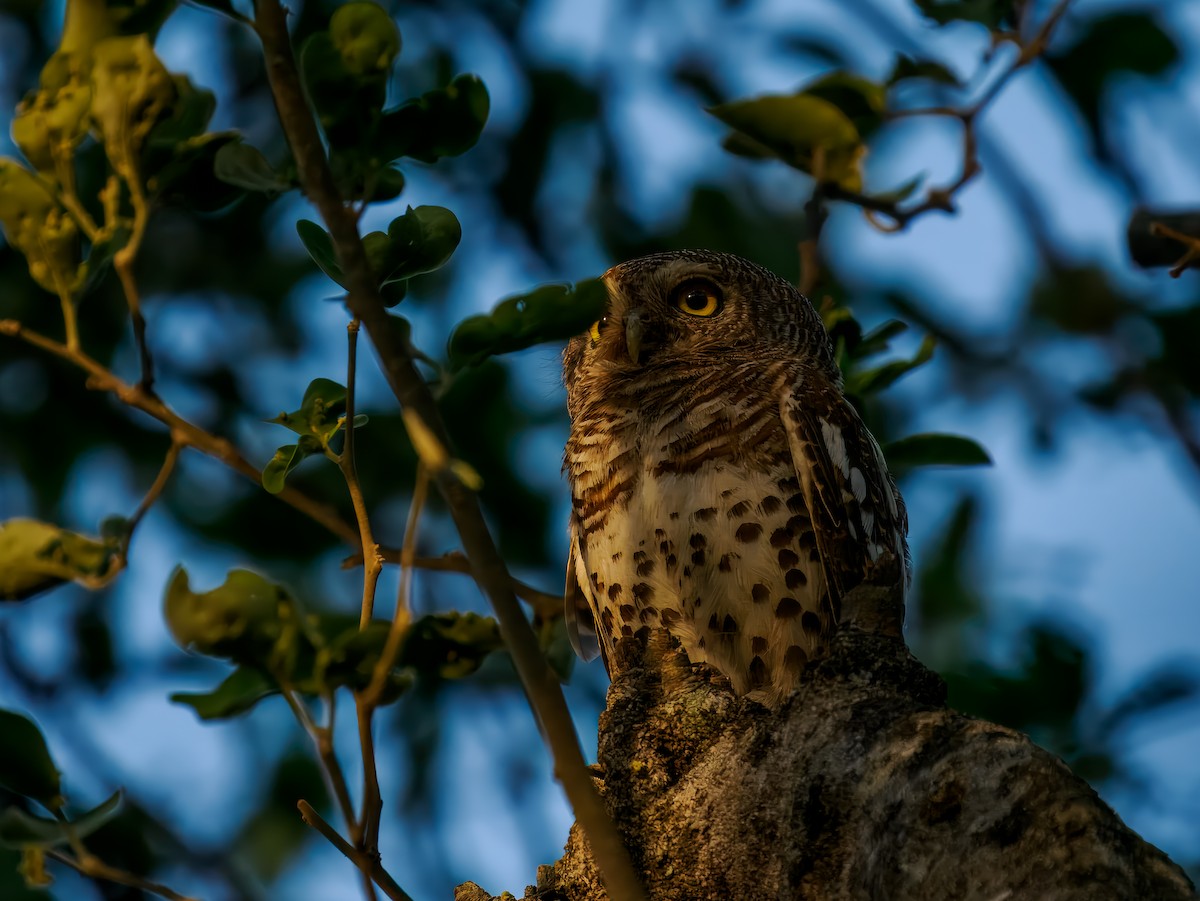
863	786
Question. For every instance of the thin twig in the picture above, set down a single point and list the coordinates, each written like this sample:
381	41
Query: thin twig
102	379
368	865
546	605
123	261
541	685
95	868
1190	243
322	739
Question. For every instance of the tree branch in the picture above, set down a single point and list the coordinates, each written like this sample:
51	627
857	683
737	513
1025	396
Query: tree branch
541	686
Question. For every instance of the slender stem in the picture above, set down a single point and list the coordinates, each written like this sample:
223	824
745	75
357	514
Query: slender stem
102	379
98	869
544	604
541	685
402	618
373	563
368	865
322	739
155	491
123	261
372	801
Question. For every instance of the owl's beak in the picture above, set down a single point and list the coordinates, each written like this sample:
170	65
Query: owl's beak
635	329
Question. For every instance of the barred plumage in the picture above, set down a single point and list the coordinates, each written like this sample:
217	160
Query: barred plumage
722	486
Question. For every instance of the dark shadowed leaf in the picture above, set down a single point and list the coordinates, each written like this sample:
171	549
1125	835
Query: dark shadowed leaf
26	766
445	122
243	165
240	691
450	645
248	619
872	381
907	69
319	245
19	829
992	13
549	313
933	449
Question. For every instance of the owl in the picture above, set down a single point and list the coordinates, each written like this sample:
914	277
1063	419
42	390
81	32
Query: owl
722	486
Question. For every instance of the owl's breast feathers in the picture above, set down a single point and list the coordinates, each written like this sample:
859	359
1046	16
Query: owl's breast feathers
732	506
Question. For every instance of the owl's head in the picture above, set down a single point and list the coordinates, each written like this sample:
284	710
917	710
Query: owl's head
695	307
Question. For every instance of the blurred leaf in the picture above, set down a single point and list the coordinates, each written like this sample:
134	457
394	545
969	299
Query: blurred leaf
1110	45
1080	301
187	118
13	885
549	313
37	556
222	6
348	104
906	69
248	619
933	449
872	381
366	38
1167	686
945	591
19	829
992	13
807	132
241	690
899	193
26	766
450	645
445	122
860	99
243	165
878	339
319	245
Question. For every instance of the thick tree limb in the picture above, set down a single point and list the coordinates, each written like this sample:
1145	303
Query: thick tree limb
864	786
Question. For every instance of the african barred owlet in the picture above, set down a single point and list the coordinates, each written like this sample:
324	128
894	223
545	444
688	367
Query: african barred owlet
722	486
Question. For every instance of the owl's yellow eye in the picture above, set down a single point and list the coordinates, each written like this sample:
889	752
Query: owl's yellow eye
594	331
698	297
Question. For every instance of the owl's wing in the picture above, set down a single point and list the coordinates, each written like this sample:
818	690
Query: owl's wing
581	623
858	517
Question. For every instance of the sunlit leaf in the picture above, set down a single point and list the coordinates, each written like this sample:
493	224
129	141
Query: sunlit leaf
366	38
248	619
37	556
549	313
26	766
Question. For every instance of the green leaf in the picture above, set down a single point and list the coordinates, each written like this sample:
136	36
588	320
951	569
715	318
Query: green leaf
248	619
319	245
872	381
348	104
26	766
548	313
445	122
1111	45
899	193
287	458
878	339
450	645
366	38
238	163
807	132
934	449
907	68
420	241
19	829
188	117
239	692
37	556
861	100
320	412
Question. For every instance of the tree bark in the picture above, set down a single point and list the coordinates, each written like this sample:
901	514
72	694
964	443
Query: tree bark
862	786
